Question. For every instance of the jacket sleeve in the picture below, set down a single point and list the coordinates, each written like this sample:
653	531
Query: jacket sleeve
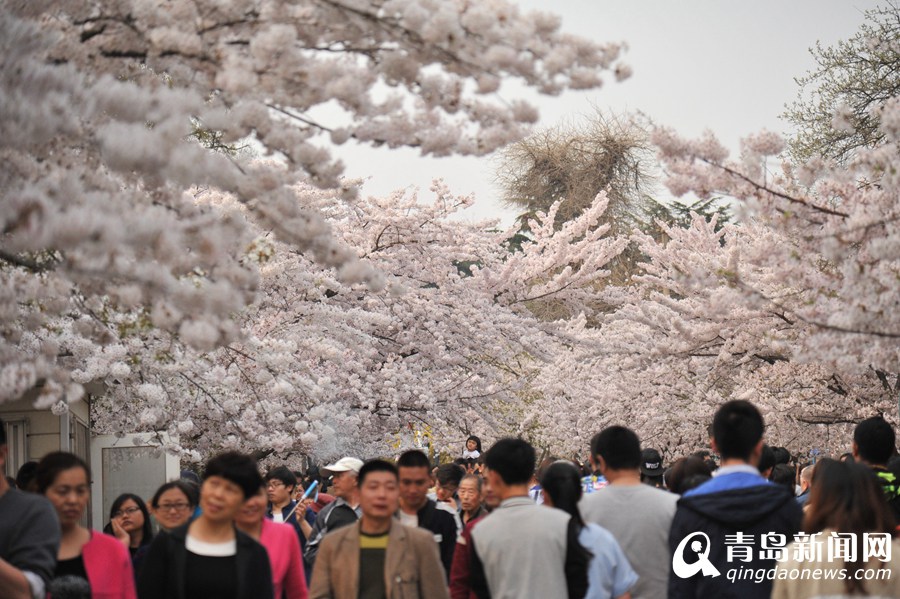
430	570
154	573
680	588
261	584
320	585
128	587
315	538
449	532
35	549
477	578
459	570
294	579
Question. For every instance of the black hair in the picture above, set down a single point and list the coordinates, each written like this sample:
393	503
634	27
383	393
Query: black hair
190	490
117	505
875	440
766	459
784	474
477	442
561	481
238	468
449	474
283	474
25	475
52	464
413	459
619	447
737	428
2	432
512	459
782	455
375	466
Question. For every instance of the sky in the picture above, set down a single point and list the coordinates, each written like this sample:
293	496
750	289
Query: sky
722	65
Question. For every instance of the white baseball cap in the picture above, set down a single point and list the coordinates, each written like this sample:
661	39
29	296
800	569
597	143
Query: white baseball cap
343	465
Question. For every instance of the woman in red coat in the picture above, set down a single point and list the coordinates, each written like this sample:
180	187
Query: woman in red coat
281	543
89	563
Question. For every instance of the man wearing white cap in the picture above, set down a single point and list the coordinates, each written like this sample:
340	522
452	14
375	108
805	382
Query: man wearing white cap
342	511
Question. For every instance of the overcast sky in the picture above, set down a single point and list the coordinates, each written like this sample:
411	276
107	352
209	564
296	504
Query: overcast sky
722	65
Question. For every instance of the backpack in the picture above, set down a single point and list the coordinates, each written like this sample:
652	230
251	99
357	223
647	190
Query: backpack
312	544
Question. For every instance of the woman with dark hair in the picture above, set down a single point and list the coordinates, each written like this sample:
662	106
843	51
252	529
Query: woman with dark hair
173	504
89	563
209	557
129	521
609	574
846	504
280	542
687	473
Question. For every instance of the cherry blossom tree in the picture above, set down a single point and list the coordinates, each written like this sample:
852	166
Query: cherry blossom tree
109	262
792	307
332	367
855	75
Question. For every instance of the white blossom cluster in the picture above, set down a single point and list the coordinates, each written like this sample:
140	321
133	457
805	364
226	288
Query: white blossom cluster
104	243
260	304
332	367
794	306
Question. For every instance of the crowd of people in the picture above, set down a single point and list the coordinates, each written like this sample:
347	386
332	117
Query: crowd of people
737	519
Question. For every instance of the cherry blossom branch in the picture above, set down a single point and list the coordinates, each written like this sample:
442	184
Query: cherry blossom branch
773	192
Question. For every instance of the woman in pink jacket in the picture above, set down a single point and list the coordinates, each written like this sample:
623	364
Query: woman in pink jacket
89	563
281	543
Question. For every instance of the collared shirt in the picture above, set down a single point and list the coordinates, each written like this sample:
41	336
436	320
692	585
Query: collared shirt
481	511
745	468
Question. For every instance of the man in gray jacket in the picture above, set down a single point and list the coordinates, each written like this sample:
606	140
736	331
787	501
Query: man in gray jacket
524	550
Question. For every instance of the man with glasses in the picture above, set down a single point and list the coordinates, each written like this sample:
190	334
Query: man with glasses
280	485
342	511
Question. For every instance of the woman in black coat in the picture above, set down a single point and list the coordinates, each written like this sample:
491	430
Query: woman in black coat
210	558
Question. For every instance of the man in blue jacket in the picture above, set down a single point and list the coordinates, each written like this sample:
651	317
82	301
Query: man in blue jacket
727	532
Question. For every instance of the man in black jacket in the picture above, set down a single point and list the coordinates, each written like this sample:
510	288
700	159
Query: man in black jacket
874	444
343	511
280	486
416	509
719	527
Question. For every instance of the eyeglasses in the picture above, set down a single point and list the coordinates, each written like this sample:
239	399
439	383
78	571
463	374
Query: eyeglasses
274	484
126	512
173	507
